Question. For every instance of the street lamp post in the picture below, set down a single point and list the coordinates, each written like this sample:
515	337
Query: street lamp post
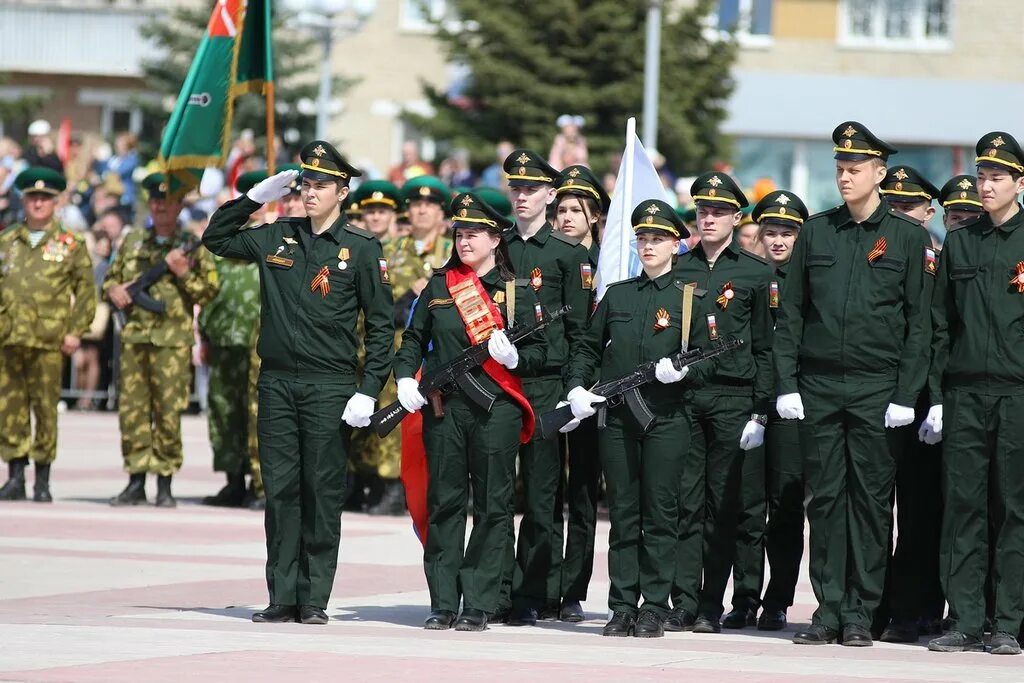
652	69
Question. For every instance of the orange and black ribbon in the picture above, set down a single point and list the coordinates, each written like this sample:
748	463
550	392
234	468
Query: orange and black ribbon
726	296
536	279
1018	279
661	320
878	250
320	283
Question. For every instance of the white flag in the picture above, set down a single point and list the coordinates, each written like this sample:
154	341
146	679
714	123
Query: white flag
637	182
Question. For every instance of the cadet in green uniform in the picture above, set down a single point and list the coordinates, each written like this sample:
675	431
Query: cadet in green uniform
467	443
850	353
226	326
48	284
641	320
977	372
780	215
580	201
316	275
155	375
559	270
912	593
730	411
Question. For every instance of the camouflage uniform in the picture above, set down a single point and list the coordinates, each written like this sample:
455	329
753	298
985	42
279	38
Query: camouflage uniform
226	324
49	292
155	351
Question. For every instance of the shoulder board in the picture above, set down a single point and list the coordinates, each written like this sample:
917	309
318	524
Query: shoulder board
826	212
438	273
359	231
750	254
562	237
681	286
967	223
903	217
623	282
291	219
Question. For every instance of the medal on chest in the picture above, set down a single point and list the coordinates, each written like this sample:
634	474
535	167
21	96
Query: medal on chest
661	320
343	257
1018	278
726	295
878	250
321	283
536	279
773	294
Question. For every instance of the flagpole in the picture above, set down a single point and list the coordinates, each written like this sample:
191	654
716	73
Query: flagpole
627	197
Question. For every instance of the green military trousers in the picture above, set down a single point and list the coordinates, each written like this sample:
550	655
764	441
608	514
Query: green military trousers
303	446
748	565
983	482
469	446
154	386
229	408
850	470
580	493
642	475
29	386
784	534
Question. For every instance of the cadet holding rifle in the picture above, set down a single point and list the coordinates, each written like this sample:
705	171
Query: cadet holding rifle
472	300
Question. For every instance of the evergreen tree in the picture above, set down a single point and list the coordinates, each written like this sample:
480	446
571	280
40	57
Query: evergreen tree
177	36
531	61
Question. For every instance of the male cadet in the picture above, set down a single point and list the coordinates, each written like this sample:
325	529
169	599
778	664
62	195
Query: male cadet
729	411
316	275
375	461
427	199
226	326
155	375
850	353
51	298
977	372
558	268
912	597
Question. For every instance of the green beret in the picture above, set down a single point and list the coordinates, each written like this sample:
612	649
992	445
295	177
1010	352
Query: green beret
854	142
525	167
961	193
1000	150
378	193
654	215
780	207
497	200
155	184
427	187
470	211
320	161
905	184
580	180
247	181
717	189
41	180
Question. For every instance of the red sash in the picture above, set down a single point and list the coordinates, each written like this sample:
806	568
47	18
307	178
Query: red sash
481	317
415	473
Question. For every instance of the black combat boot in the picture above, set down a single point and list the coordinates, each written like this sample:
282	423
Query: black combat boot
164	499
392	501
41	490
14	489
134	493
232	495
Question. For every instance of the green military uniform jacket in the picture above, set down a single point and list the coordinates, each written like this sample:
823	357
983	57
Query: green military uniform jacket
231	318
139	252
627	330
308	326
847	317
978	310
566	277
49	289
437	333
747	371
775	289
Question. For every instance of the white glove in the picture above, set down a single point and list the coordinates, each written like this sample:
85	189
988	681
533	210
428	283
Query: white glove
502	350
931	429
409	394
790	407
753	435
358	410
272	188
582	402
898	416
666	373
571	424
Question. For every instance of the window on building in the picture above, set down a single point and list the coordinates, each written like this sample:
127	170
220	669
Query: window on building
420	15
749	19
895	23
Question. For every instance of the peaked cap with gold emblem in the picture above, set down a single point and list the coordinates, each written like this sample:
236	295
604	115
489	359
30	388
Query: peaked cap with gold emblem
320	161
378	193
854	142
580	180
155	185
780	207
717	189
961	193
906	184
525	167
427	187
654	215
999	150
470	211
40	180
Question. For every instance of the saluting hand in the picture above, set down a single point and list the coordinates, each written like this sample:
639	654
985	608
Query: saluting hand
272	188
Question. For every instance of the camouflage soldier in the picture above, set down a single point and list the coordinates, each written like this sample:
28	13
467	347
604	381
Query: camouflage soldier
51	300
427	198
226	326
155	375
